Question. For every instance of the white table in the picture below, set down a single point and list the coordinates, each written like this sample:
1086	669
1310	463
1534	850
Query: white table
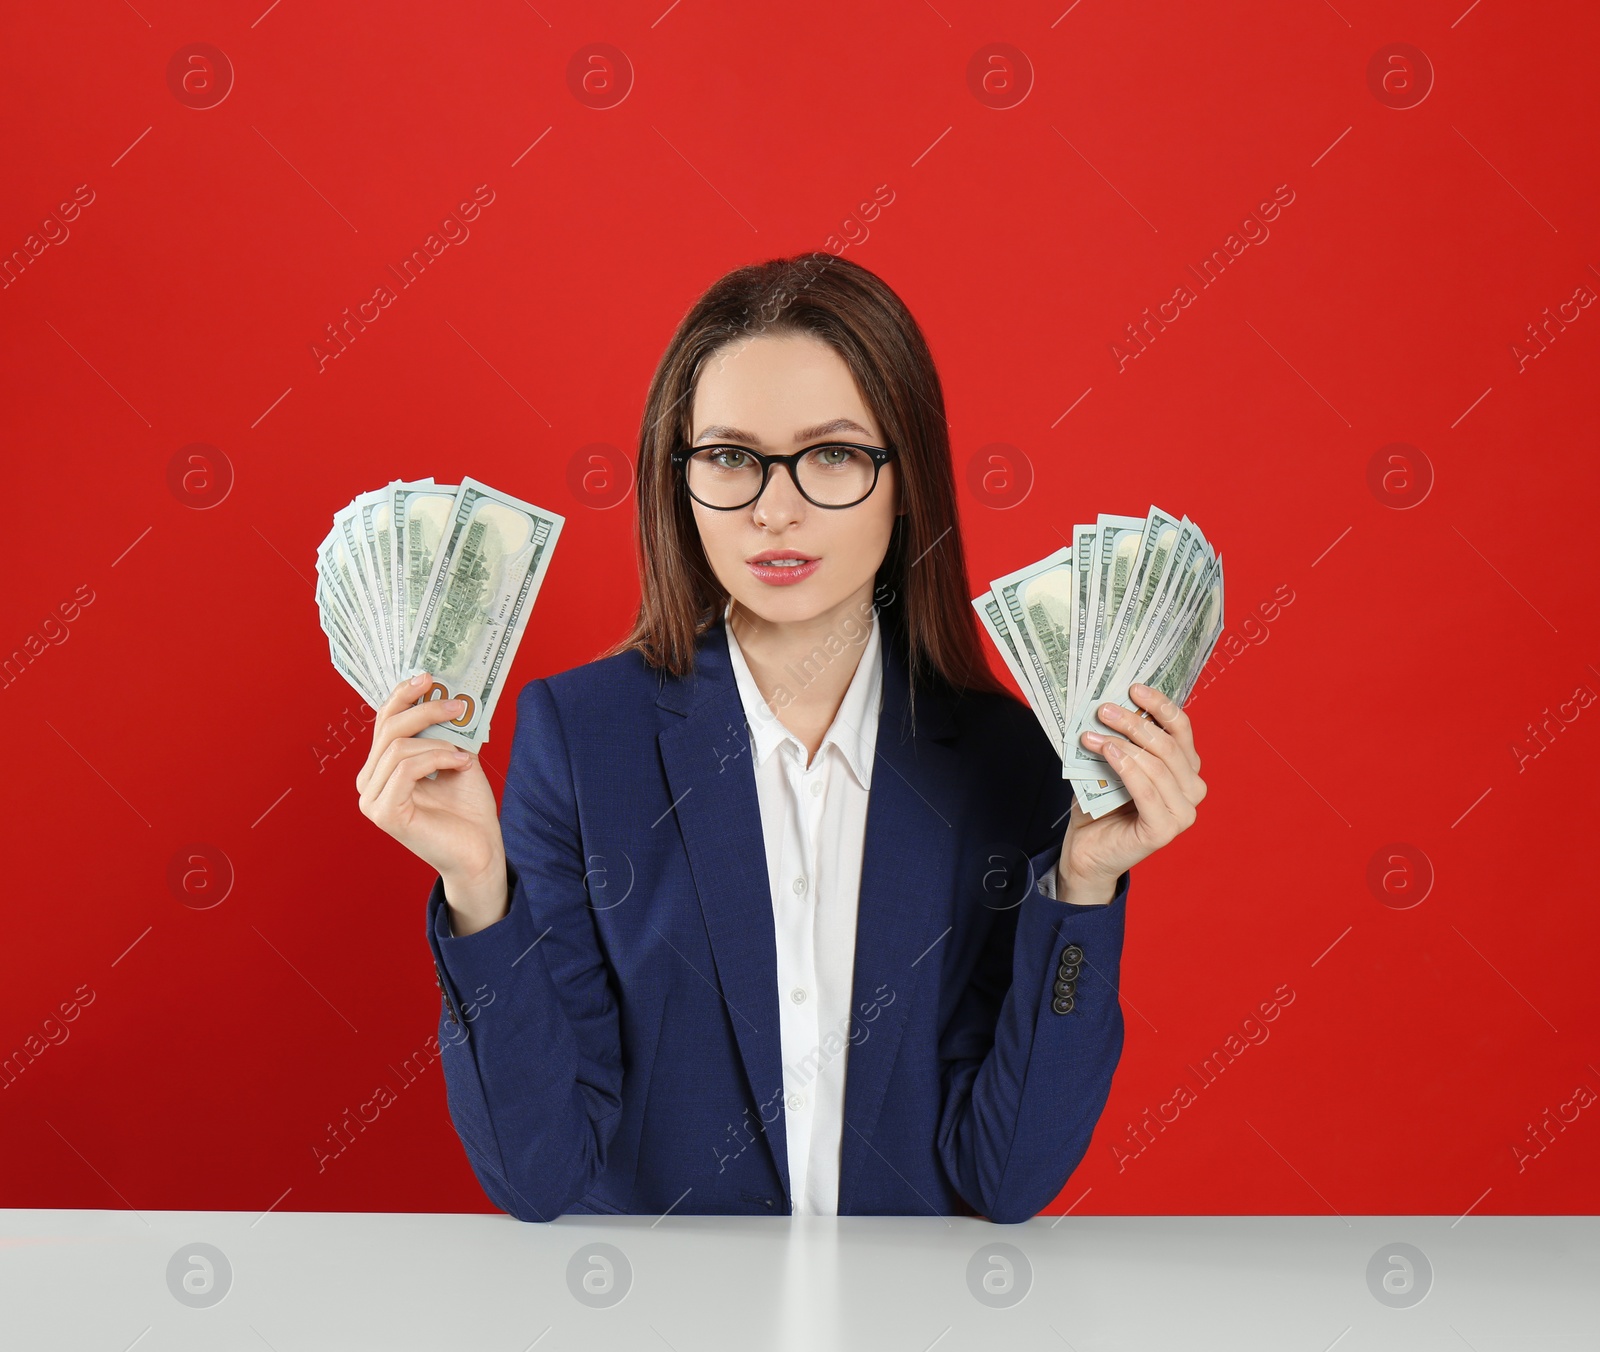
288	1282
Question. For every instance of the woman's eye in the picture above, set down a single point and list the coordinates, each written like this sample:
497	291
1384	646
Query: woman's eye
833	456
730	459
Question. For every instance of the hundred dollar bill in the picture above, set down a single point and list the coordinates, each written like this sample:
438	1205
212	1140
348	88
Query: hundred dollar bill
398	490
1014	592
1163	619
1179	666
368	594
1083	571
1178	673
1048	600
421	512
993	620
1138	628
487	571
1148	569
374	518
1077	759
1131	599
340	572
346	655
1116	547
1188	567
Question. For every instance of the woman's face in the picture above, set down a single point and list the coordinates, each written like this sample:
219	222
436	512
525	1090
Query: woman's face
777	394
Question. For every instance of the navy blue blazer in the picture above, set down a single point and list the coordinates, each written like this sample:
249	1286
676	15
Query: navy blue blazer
611	1045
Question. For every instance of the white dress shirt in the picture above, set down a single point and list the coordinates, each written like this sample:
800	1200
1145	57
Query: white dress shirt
814	822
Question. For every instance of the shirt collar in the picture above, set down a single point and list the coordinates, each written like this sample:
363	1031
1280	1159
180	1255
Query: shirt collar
854	731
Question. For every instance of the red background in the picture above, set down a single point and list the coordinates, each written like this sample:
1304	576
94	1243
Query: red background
192	700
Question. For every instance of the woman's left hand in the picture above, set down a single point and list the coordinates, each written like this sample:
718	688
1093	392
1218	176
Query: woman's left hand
1159	767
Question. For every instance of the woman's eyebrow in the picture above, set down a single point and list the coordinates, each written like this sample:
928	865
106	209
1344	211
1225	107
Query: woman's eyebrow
720	433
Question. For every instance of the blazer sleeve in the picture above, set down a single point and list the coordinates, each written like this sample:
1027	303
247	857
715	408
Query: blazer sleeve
1029	1055
529	1032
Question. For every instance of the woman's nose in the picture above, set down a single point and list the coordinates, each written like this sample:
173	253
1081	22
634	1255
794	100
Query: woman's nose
780	503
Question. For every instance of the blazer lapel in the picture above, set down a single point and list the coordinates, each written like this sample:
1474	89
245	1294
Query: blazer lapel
908	868
710	774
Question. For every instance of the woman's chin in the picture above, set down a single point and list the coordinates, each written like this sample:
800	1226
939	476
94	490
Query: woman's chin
797	604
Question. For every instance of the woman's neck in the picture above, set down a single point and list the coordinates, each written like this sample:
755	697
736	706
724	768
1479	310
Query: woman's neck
803	669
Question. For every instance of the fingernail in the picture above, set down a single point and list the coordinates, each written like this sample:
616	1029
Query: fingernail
1140	689
1114	751
419	678
1092	740
1109	712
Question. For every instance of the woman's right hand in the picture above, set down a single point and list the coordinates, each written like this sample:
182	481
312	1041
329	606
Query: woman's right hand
450	822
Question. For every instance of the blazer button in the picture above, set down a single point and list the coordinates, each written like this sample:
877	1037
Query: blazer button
1068	971
1063	1004
1072	953
1066	988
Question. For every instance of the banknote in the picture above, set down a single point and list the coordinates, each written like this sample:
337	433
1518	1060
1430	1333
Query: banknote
487	571
1132	600
341	574
1043	584
1174	676
422	576
1111	559
1147	627
993	622
421	512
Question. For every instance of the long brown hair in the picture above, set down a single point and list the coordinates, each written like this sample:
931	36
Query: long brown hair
922	582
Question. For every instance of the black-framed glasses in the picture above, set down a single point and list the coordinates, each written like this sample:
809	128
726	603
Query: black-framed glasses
832	474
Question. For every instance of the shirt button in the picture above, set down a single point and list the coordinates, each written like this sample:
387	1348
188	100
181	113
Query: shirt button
796	1103
799	885
816	789
798	995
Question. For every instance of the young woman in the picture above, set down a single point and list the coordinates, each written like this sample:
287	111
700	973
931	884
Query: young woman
787	908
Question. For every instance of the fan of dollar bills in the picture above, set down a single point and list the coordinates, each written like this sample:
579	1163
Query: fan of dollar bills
420	576
1132	600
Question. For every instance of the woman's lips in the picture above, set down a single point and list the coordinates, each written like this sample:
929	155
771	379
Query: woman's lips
776	573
